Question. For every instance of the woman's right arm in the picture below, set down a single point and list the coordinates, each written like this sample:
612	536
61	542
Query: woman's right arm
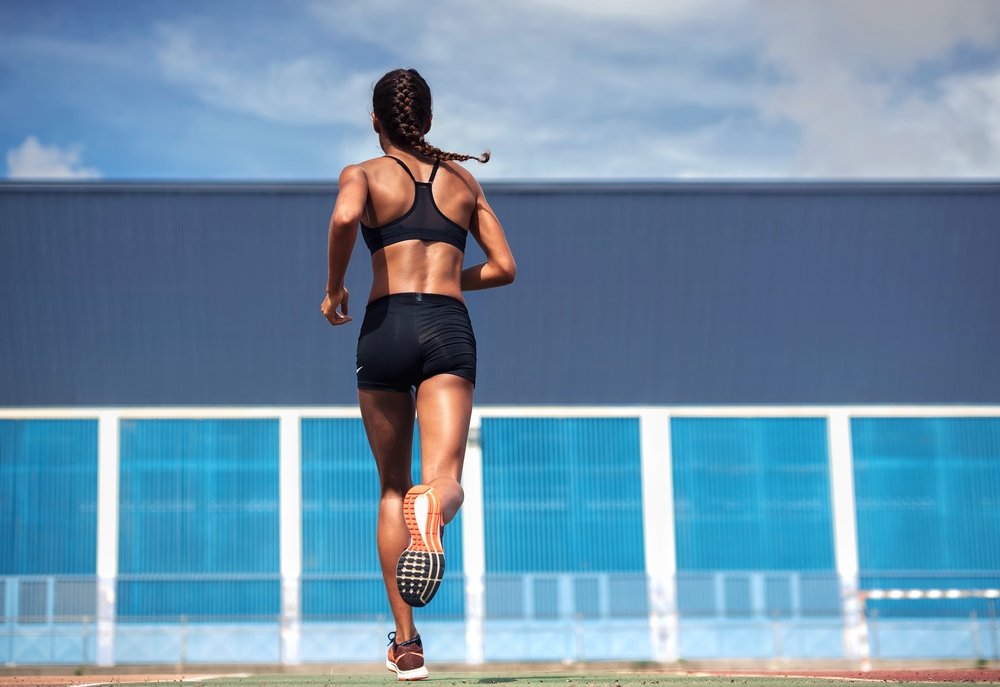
352	195
499	268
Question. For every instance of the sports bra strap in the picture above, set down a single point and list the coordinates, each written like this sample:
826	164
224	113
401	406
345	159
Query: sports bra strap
437	163
403	165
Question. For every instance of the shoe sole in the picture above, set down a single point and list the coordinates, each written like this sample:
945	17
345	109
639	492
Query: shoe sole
420	568
415	674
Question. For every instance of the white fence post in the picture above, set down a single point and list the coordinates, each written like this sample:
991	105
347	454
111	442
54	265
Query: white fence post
658	533
108	461
290	532
846	534
474	546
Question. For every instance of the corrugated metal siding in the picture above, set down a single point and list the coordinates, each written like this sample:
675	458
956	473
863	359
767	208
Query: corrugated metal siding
48	497
167	297
562	495
752	494
731	294
672	293
340	496
928	508
928	493
198	519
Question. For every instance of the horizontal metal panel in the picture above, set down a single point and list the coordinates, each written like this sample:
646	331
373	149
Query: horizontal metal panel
117	294
198	599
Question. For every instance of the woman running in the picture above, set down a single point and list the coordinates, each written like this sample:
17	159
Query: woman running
416	351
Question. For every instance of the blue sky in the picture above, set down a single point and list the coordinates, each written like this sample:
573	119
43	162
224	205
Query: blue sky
557	89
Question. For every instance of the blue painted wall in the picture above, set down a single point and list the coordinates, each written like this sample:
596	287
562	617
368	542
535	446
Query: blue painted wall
198	518
927	493
48	497
752	507
562	495
752	494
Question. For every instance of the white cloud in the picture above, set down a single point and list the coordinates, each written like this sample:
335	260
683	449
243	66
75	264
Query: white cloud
640	10
305	90
849	87
562	89
32	160
632	88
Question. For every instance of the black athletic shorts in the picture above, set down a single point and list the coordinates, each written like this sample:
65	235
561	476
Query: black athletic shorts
409	337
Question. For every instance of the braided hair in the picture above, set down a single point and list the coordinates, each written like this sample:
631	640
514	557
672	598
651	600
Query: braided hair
402	102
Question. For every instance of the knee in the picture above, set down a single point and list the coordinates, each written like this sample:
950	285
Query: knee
391	493
449	484
395	488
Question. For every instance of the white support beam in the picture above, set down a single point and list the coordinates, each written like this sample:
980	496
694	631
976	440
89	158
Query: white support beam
108	459
845	533
290	532
658	532
241	412
474	546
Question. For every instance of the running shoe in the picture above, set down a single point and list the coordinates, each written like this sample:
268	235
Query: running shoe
421	566
406	659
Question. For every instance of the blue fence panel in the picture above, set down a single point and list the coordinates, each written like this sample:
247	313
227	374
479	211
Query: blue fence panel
48	497
562	495
752	494
198	519
340	500
927	494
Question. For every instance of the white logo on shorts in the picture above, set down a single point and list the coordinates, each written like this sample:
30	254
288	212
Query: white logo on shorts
358	370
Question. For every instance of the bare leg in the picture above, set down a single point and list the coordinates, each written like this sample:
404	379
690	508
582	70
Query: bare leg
444	409
388	417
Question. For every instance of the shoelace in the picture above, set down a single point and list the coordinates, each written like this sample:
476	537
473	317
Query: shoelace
392	640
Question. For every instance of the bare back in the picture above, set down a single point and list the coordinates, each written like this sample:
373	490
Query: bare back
416	265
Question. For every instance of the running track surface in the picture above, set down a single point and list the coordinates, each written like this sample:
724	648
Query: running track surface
570	678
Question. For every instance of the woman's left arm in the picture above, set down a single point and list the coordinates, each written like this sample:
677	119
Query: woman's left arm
351	198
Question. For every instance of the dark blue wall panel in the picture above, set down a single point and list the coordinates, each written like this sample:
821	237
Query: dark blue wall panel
752	494
672	293
48	497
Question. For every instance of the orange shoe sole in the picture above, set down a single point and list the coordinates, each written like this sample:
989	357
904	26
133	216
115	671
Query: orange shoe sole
420	568
422	512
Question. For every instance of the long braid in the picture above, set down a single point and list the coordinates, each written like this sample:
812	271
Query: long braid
402	102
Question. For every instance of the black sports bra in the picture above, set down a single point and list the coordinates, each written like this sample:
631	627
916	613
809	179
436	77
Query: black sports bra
422	221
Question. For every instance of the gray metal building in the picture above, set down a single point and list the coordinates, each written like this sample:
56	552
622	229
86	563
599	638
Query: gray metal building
672	293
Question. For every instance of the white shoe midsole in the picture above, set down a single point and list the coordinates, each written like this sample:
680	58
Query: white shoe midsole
421	506
406	674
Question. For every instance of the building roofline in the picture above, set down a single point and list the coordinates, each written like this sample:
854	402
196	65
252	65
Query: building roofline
541	186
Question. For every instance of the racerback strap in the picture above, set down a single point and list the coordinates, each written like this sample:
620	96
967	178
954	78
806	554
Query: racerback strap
403	165
437	163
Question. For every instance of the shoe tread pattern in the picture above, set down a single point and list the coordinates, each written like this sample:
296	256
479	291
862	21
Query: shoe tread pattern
418	576
420	568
